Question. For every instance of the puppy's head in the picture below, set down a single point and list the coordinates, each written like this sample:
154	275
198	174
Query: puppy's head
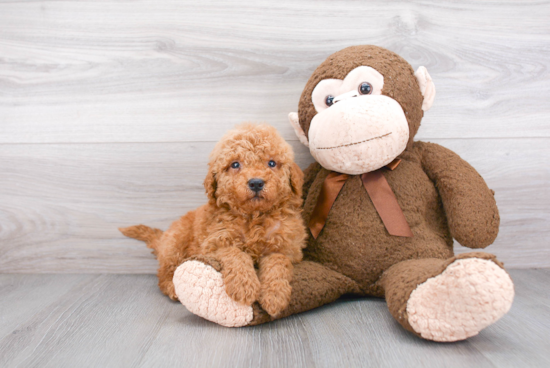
252	169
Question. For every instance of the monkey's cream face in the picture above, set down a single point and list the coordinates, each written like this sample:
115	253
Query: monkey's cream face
356	129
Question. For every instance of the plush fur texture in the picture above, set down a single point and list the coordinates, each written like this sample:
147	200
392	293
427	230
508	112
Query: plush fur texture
241	228
442	197
431	311
355	241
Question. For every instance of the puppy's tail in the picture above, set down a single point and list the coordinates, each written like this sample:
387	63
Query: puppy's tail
149	235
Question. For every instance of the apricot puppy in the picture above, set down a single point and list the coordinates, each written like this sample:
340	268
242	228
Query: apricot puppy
252	222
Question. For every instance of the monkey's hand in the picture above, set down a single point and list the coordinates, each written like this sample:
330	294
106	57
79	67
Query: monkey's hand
470	206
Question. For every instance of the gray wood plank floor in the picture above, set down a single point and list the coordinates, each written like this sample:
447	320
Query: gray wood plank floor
100	320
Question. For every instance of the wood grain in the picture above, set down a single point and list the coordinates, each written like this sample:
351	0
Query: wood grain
60	205
108	110
136	71
23	297
100	322
123	320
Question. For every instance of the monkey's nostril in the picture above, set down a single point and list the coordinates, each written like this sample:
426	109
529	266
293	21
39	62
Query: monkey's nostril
256	185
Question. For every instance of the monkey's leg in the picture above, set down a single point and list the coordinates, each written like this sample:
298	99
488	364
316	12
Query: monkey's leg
200	287
313	285
448	300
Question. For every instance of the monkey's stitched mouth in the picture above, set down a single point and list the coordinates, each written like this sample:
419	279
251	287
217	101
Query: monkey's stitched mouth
355	143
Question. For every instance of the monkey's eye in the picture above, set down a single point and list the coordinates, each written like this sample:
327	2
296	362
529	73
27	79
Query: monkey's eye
329	100
235	165
272	163
365	88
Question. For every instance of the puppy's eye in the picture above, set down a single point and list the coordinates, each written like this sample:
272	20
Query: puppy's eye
272	163
235	165
365	88
329	100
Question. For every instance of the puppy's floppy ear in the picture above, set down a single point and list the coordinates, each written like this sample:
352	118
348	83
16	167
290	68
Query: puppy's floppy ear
296	179
210	184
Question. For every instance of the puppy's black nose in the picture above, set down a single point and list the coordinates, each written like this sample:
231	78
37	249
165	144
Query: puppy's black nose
256	185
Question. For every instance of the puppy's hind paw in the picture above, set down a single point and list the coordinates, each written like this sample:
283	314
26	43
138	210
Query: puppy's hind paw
200	288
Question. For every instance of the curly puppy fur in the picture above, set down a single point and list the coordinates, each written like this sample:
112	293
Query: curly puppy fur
241	228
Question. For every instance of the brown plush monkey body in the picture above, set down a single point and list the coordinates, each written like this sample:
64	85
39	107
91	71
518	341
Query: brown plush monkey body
355	242
358	113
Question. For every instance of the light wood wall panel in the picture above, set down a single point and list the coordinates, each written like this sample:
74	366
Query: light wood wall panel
61	204
108	110
164	71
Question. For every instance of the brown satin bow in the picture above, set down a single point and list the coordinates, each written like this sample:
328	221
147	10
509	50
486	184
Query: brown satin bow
379	192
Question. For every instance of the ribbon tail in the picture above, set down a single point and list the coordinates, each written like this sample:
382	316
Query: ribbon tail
332	186
386	205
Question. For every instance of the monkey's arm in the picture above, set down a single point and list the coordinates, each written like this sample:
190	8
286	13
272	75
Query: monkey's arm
309	176
470	206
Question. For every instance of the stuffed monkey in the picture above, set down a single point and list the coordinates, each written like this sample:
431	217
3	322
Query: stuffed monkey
382	209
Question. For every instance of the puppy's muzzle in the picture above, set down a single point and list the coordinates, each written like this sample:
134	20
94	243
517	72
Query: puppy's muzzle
256	185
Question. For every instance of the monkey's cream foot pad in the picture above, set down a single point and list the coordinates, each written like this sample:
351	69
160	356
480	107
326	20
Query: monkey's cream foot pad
468	296
201	290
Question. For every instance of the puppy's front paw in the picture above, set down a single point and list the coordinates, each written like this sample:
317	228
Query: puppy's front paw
275	296
242	286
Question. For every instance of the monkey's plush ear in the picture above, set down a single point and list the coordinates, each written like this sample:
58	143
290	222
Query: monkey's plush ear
427	87
210	184
295	122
